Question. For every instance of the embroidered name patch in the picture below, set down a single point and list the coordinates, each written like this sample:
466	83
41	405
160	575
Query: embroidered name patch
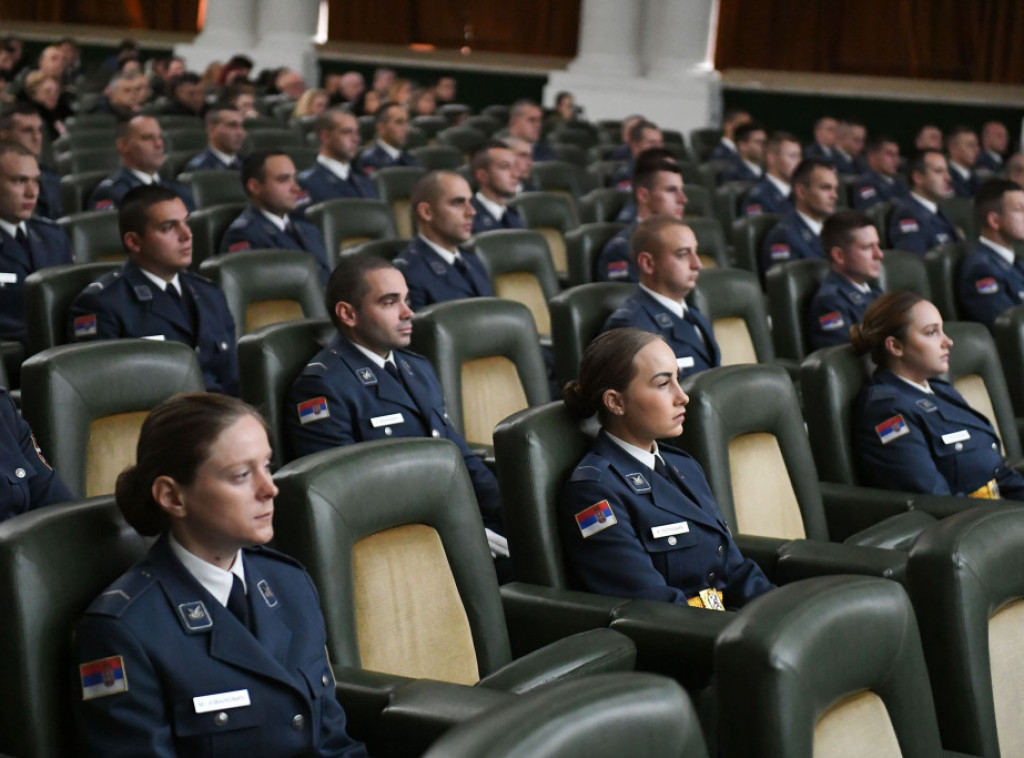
892	428
596	518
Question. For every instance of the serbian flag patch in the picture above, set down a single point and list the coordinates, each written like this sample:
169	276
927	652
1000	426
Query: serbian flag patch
868	192
594	519
892	428
830	321
987	286
753	210
103	205
103	677
85	326
779	252
908	225
314	409
243	245
618	269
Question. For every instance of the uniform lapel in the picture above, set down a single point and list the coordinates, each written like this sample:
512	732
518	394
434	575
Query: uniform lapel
679	330
375	379
160	303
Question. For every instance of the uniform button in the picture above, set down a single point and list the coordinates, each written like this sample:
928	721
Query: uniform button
711	577
220	719
995	445
672	540
387	431
434	433
325	679
958	446
298	722
721	549
19	472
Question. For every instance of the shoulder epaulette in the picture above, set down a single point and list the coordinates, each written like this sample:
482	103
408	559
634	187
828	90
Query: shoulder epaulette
881	392
122	593
587	472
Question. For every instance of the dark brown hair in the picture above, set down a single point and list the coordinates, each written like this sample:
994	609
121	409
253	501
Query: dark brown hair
888	316
607	365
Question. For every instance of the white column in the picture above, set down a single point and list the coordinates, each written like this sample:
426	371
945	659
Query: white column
229	29
609	38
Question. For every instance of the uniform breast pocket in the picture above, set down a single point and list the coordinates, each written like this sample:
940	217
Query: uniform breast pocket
385	426
217	730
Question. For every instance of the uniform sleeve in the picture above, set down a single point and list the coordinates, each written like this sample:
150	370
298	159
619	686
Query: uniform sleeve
485	484
318	433
106	325
905	233
983	294
235	237
613	265
45	487
820	316
904	462
776	248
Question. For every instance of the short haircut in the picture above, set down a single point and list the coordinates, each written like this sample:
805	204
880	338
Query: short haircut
649	176
254	165
839	228
879	141
744	131
125	125
731	114
636	131
989	198
958	131
817	123
383	110
647	235
919	162
347	283
653	156
15	109
133	214
188	77
428	188
480	158
519	106
777	139
806	167
212	116
325	121
9	146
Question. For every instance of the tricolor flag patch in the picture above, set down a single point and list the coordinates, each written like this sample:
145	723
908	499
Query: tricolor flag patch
892	428
103	205
830	321
618	269
866	192
314	409
243	245
908	225
596	518
987	286
85	326
754	210
103	677
779	252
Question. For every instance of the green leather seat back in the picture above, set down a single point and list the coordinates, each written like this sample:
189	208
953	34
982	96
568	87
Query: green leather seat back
943	265
394	185
577	316
748	232
726	200
711	245
348	221
904	270
94	236
732	302
1008	332
601	205
584	244
208	226
76	188
791	286
215	186
433	157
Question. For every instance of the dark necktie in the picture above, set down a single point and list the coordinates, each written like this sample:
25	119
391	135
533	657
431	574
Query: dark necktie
237	602
661	468
179	301
22	239
463	269
689	318
392	369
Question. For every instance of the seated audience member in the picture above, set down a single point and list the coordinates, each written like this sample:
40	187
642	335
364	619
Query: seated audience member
367	104
564	112
750	142
991	277
310	104
268	177
121	97
436	269
652	157
657	189
225	135
525	121
725	150
824	144
163	71
772	192
962	147
1015	168
29	482
422	103
241	97
637	517
400	91
917	223
365	385
995	141
664	251
913	431
236	72
345	88
643	135
186	95
494	168
622	151
333	175
155	295
847	155
382	78
928	137
389	148
881	182
43	93
523	152
851	242
444	90
798	234
19	122
141	145
28	242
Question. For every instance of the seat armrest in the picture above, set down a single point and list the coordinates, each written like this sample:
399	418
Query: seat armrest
1017	464
674	640
764	551
792	368
537	616
596	651
801	559
895	533
850	509
364	695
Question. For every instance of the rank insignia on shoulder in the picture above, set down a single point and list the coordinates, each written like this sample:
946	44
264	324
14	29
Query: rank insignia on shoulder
243	245
268	594
85	326
143	292
892	428
927	405
596	518
195	616
831	321
987	286
366	376
638	483
314	409
103	677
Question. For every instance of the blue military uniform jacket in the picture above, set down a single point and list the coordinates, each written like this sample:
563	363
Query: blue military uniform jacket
816	150
432	280
27	481
739	171
48	205
614	263
109	192
915	228
375	157
48	245
342	398
789	240
542	151
323	184
624	556
483	221
157	639
835	307
988	162
623	176
254	231
846	165
872	188
125	303
988	285
909	440
723	152
207	161
963	187
765	197
690	338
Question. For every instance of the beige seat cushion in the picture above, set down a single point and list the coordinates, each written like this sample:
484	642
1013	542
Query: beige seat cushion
491	391
267	312
766	505
1006	657
734	341
112	442
523	287
972	387
855	727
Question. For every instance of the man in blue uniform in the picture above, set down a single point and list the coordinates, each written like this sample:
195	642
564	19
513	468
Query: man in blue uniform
962	146
664	251
366	386
643	135
657	189
772	192
725	150
823	146
881	182
917	223
847	155
991	277
225	134
21	123
27	242
389	149
797	235
155	295
436	269
750	142
141	145
852	244
524	121
333	176
268	177
494	168
994	143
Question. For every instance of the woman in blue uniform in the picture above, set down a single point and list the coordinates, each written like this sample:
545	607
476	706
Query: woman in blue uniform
912	431
638	518
209	646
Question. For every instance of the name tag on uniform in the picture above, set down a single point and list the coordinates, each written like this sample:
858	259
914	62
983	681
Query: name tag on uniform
686	362
155	337
8	278
953	437
669	530
392	418
221	701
